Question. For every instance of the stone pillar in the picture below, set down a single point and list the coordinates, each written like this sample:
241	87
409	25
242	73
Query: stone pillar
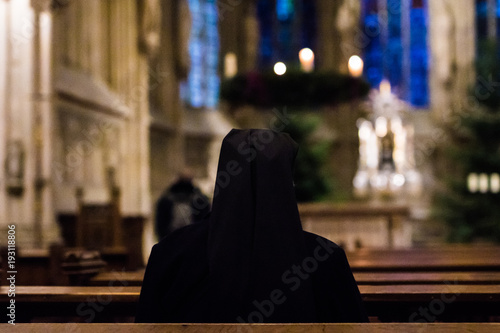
4	104
336	41
136	88
17	164
452	44
44	226
97	47
251	41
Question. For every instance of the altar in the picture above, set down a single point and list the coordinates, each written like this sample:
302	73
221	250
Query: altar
355	225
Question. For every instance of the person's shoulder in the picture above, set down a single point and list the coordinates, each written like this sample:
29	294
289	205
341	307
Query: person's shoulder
191	234
313	240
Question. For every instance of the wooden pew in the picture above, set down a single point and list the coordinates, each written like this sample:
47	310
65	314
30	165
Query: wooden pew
256	328
43	266
442	258
461	263
126	278
135	278
395	278
448	302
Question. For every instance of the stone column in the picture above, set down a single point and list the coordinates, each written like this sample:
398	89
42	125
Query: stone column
136	199
251	42
328	53
452	44
43	219
97	48
4	104
18	120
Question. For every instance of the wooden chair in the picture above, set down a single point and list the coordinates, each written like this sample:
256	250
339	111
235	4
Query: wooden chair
98	225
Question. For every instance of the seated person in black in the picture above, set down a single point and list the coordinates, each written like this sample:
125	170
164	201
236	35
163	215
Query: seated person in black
180	205
250	261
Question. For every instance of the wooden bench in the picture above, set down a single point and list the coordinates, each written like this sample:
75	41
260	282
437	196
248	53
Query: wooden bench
461	263
126	278
135	278
43	266
442	258
395	278
388	302
256	328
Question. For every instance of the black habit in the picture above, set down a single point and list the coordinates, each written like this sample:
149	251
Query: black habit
250	261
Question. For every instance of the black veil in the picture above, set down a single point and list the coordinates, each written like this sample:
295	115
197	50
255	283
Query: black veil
247	261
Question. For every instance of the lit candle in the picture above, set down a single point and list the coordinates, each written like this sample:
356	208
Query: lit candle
483	183
396	124
385	88
355	65
472	182
381	126
364	130
230	65
495	183
361	184
364	135
279	68
399	146
306	57
372	149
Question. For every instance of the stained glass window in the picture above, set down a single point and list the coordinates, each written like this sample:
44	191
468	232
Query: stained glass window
418	91
201	90
397	48
285	27
265	14
373	53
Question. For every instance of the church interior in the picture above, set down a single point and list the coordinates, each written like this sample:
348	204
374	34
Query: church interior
395	106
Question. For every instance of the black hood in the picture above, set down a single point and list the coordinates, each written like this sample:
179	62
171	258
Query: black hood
255	234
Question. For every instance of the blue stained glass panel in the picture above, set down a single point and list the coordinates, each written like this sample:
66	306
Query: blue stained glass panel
265	15
308	24
202	86
393	61
498	18
419	78
373	52
284	9
481	18
384	57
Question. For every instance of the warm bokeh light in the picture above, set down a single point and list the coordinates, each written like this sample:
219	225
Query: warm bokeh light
385	88
230	65
355	66
306	57
280	68
306	54
483	183
381	126
495	183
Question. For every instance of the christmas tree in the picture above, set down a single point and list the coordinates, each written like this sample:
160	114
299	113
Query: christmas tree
470	202
311	182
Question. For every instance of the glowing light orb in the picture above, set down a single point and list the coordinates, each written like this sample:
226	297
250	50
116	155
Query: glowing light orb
279	68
